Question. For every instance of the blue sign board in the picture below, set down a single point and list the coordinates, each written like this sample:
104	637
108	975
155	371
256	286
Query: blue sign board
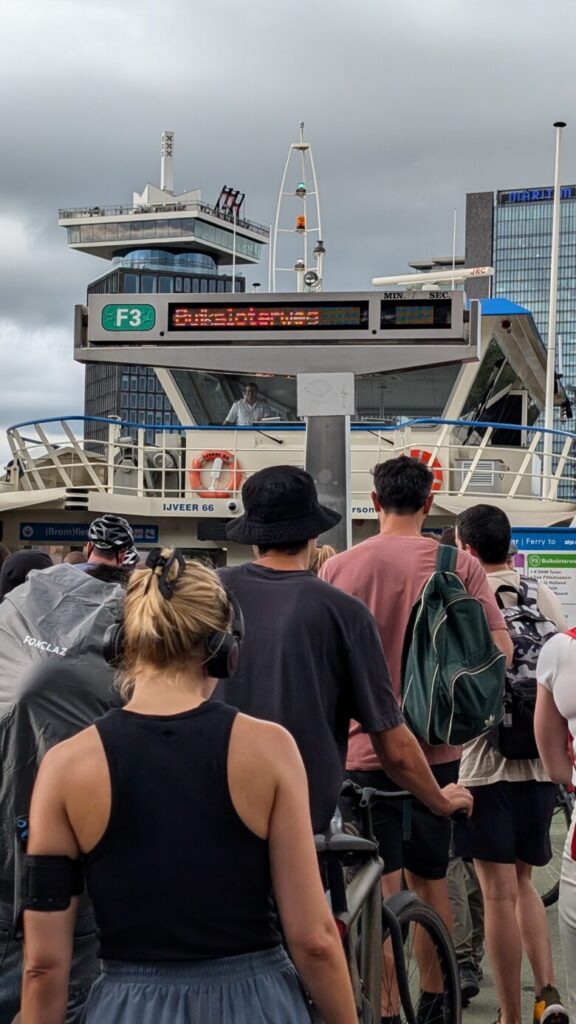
76	533
534	195
550	538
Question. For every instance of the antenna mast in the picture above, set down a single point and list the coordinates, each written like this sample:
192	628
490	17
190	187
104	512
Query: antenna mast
167	162
308	266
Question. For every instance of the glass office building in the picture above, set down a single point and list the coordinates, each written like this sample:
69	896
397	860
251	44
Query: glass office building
512	231
135	392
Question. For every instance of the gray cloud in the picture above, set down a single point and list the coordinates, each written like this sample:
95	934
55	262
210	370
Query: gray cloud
408	106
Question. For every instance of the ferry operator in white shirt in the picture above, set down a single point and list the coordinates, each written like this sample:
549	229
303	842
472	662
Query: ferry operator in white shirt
247	410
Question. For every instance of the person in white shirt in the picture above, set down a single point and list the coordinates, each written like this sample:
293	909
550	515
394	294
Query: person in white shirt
248	410
555	727
514	799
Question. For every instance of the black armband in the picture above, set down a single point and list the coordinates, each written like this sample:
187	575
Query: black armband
46	883
49	883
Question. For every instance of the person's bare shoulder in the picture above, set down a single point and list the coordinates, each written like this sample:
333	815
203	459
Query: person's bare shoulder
75	757
264	740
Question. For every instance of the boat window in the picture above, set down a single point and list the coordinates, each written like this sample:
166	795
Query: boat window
496	396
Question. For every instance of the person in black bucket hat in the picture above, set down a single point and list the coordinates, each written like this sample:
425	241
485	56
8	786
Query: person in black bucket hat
311	658
281	506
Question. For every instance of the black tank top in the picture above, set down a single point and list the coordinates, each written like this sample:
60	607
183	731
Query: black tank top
177	875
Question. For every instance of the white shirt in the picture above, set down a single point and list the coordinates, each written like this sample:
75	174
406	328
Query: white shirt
244	414
556	672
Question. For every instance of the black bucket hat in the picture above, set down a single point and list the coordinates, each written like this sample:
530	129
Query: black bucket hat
280	505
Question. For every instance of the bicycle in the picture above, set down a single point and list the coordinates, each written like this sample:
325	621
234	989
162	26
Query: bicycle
352	872
547	878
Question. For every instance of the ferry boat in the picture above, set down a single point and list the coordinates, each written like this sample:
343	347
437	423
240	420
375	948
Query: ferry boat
474	422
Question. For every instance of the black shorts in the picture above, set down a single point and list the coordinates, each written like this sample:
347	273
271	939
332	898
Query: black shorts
426	852
511	821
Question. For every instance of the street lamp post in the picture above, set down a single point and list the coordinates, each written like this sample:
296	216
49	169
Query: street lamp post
234	252
552	312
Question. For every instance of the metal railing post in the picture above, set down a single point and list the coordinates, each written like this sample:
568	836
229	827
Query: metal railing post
140	463
476	459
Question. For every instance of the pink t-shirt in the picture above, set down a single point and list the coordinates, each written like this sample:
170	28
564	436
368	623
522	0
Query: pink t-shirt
389	574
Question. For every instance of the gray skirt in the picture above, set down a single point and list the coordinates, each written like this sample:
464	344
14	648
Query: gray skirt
258	988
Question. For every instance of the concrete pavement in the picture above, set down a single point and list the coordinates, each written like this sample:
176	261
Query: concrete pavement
484	1008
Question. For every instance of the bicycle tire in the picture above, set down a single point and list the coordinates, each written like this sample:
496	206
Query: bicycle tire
547	878
411	913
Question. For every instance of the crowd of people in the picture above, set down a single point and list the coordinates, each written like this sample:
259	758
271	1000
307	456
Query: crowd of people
182	733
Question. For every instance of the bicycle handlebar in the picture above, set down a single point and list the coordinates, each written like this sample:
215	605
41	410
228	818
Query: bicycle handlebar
364	797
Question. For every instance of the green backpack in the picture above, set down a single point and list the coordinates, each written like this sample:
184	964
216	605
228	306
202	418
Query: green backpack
453	673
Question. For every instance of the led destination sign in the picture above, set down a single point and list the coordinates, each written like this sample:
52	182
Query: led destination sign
268	316
405	314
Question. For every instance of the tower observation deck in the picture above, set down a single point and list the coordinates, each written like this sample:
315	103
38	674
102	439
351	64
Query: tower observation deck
163	241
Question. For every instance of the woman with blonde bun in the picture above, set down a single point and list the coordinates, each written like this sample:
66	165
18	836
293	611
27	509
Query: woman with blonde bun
191	820
321	555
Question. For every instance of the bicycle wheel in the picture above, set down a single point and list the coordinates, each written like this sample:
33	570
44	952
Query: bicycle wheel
426	982
547	878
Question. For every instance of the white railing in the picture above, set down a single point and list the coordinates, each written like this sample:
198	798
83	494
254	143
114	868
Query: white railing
142	460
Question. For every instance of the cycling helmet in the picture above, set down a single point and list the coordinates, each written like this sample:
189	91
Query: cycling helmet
131	557
111	533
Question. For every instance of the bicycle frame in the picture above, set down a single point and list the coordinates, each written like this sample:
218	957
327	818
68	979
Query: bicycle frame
365	908
357	909
365	921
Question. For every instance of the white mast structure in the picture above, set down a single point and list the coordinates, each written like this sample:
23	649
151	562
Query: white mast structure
300	162
167	162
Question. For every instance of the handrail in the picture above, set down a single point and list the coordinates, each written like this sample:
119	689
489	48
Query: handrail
153	209
437	421
367	427
168	427
122	461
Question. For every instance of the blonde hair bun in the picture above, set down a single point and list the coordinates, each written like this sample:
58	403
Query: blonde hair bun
169	611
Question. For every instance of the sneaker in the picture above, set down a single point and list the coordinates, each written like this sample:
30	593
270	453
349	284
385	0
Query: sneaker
548	1007
468	980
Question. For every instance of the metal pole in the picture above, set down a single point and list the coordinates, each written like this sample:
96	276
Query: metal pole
454	250
553	302
270	261
234	253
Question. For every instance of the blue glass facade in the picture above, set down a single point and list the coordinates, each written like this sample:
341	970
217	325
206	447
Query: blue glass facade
521	260
162	259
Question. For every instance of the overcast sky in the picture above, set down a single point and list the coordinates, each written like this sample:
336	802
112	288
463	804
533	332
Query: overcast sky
409	104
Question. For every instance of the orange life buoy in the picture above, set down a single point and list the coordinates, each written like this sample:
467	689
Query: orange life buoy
233	483
433	464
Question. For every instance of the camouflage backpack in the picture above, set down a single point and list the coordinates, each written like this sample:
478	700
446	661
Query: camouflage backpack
530	630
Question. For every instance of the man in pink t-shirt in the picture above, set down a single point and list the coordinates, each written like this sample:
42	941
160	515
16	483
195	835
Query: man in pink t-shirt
388	573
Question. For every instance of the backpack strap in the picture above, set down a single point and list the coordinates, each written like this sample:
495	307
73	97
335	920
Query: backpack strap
505	588
529	591
446	558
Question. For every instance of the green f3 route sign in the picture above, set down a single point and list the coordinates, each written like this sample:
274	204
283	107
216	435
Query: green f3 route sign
128	318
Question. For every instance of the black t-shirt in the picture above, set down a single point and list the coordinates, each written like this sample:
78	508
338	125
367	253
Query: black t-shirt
311	660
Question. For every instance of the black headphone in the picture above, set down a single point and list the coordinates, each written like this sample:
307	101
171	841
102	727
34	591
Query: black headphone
222	646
